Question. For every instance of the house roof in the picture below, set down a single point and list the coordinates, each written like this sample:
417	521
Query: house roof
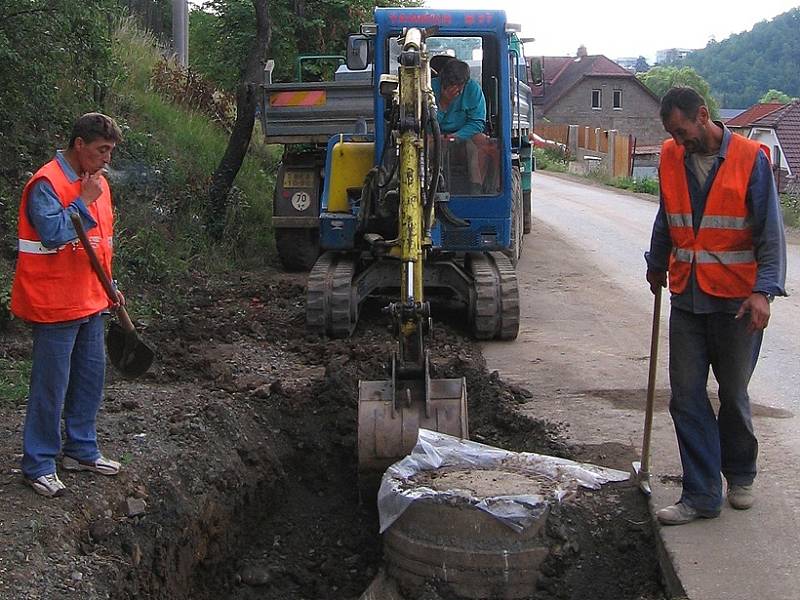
562	73
753	113
786	123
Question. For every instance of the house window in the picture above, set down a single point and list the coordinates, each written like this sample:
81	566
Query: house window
597	99
617	100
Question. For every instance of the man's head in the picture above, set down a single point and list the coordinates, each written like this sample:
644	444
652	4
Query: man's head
94	137
439	61
686	118
453	78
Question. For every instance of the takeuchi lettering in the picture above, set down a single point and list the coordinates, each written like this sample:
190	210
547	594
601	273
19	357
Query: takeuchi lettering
422	19
470	19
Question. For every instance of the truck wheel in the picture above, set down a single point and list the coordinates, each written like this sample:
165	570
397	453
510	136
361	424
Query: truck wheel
298	249
527	211
517	225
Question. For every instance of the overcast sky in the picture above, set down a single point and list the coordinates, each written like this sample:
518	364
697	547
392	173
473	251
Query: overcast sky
621	28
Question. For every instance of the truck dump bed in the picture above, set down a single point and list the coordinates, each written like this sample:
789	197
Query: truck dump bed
311	112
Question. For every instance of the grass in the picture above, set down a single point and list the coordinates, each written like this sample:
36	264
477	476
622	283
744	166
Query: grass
162	214
14	378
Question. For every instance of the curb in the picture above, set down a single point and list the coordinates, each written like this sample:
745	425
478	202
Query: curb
669	573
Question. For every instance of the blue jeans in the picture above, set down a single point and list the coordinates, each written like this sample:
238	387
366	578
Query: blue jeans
710	443
67	378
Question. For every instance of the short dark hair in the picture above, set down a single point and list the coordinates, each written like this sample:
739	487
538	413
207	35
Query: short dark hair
454	72
685	99
439	61
94	126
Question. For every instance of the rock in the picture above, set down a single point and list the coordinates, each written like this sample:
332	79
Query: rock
255	575
76	576
133	507
101	529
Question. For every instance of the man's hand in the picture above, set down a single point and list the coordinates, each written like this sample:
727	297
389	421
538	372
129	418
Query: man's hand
656	279
758	307
90	188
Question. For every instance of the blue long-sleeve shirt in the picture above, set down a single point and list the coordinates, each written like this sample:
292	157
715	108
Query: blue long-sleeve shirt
768	235
466	114
49	217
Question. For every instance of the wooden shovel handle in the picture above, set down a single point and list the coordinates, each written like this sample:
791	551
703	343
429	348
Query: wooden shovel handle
122	314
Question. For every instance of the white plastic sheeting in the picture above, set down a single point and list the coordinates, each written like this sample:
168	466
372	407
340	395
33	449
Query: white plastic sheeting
437	450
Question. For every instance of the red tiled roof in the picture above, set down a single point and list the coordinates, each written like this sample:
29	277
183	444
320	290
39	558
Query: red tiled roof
786	123
753	113
560	73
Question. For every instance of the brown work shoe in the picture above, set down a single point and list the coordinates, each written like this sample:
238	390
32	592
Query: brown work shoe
740	497
680	514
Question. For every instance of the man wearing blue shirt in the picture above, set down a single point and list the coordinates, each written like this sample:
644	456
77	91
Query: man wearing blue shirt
462	116
719	234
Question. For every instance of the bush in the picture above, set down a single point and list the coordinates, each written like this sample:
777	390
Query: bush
551	159
645	185
790	204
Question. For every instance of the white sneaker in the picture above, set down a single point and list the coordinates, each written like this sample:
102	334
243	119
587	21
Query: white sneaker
103	465
48	485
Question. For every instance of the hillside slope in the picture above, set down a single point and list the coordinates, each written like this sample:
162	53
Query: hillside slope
743	67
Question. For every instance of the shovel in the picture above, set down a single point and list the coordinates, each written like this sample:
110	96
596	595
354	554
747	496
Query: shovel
127	352
642	469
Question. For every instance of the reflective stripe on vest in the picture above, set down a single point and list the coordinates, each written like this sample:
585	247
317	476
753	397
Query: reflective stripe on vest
53	285
722	248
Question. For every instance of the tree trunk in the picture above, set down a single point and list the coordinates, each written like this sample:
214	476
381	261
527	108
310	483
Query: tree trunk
246	99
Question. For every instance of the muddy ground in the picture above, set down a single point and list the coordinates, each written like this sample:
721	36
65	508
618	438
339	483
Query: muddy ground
239	454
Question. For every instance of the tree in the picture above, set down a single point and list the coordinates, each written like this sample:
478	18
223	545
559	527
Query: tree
775	96
660	79
246	100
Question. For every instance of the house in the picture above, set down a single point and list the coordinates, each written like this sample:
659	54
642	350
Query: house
594	91
741	123
779	130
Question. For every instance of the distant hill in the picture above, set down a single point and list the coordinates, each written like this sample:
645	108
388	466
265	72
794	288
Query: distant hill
743	67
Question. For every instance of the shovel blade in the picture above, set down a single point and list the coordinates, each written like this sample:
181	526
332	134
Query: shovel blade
127	353
642	478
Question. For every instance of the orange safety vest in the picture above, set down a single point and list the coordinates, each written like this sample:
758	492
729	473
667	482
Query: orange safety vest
53	285
722	249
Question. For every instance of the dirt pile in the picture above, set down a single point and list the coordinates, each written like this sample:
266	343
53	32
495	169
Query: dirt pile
240	467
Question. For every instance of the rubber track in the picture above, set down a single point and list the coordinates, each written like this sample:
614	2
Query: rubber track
496	311
329	305
316	296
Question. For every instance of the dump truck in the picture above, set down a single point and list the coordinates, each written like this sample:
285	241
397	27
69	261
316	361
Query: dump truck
392	206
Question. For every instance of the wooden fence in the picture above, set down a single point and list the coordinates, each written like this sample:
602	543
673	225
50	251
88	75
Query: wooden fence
594	142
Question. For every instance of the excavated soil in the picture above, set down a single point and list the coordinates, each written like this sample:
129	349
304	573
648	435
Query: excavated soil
240	467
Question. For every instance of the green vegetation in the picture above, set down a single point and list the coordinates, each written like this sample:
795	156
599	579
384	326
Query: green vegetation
14	377
775	96
645	185
661	79
221	32
791	210
550	159
743	67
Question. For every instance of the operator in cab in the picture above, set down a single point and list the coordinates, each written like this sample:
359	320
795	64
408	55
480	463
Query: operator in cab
462	115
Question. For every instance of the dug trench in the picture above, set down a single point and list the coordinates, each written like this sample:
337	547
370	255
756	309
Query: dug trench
240	468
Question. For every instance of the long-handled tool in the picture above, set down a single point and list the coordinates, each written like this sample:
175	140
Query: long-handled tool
127	352
642	469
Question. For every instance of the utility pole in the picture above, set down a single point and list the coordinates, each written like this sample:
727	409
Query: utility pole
180	31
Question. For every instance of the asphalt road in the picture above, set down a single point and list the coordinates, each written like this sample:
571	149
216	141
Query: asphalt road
583	350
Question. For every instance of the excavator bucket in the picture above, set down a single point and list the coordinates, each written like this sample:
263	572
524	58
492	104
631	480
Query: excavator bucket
391	412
